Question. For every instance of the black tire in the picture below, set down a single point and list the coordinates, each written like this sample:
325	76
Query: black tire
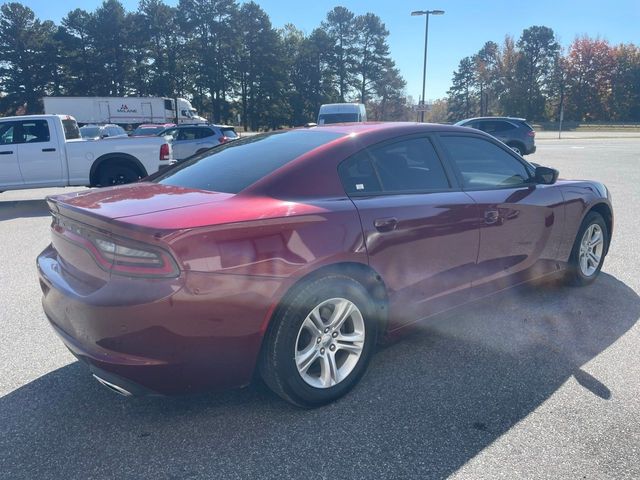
277	364
117	174
575	275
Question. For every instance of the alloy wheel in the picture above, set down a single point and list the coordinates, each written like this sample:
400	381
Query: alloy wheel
591	248
329	343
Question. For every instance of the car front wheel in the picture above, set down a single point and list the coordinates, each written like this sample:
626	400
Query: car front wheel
321	341
589	250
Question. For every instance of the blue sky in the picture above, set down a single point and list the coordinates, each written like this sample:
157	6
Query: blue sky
462	31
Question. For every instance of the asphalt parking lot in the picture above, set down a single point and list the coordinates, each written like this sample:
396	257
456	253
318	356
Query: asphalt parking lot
541	382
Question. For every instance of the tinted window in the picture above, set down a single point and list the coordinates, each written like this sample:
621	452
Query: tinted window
206	132
234	166
168	105
495	126
327	118
484	164
358	176
407	165
34	131
7	131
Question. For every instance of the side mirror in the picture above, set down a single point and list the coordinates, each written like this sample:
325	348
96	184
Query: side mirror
546	175
104	135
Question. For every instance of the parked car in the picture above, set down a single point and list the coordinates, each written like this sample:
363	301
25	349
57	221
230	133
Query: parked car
290	254
341	113
46	151
150	129
514	132
187	140
97	132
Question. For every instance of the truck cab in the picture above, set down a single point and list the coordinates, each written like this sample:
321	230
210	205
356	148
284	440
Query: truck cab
188	114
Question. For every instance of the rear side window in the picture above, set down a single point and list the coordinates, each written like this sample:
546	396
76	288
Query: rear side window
403	166
234	166
71	130
206	132
495	126
483	164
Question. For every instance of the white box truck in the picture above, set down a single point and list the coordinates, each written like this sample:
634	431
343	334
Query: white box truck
341	113
122	110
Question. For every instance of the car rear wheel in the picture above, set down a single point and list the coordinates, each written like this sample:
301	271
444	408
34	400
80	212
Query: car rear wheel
320	342
117	174
589	250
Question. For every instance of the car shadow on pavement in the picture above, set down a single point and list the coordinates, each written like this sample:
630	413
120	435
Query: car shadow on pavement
23	208
429	403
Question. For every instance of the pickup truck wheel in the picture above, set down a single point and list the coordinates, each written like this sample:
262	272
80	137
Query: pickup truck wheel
117	174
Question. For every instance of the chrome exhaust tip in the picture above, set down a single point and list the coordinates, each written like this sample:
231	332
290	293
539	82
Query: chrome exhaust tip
113	387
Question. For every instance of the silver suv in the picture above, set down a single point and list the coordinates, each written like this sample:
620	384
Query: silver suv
188	140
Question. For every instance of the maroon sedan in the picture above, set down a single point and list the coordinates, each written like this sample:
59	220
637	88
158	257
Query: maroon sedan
291	254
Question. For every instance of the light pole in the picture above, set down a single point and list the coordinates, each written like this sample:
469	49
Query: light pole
426	13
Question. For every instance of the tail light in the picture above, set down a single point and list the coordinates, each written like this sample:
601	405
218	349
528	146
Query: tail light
120	256
165	152
223	139
531	133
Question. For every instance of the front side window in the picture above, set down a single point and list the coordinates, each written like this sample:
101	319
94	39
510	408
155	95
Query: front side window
7	132
483	164
188	134
403	166
33	131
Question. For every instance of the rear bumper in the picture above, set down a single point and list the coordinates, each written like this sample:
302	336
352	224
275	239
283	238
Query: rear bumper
530	149
199	331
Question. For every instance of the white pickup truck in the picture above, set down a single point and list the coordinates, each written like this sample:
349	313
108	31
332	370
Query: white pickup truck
47	151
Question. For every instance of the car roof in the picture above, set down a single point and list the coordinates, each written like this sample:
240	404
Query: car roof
367	127
495	118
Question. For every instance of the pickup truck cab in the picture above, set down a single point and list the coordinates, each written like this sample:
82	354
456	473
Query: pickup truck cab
39	151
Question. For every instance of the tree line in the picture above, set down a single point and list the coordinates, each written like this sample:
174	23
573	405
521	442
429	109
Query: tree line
226	57
533	78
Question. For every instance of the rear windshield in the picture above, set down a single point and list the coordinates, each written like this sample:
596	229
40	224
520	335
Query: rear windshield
234	166
229	132
147	130
71	130
327	118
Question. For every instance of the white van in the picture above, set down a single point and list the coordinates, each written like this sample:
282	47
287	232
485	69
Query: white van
341	113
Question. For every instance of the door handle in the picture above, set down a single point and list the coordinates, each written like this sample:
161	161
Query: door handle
48	149
6	152
491	217
385	224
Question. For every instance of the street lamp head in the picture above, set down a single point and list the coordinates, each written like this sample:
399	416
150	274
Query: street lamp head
417	13
436	12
